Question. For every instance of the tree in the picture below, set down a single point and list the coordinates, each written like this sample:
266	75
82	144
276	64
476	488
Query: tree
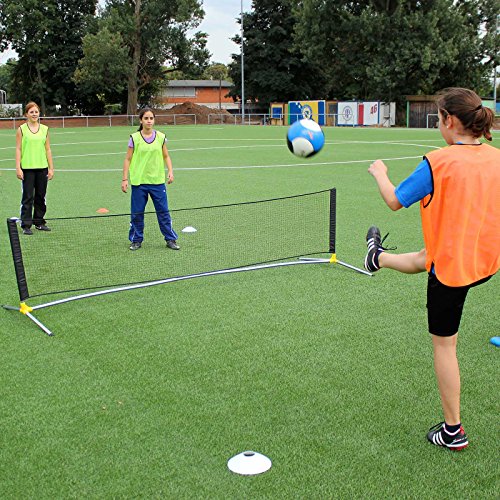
6	71
216	71
479	56
275	69
46	34
385	50
102	73
155	33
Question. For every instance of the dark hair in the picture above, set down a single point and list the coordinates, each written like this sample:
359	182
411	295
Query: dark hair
467	106
142	112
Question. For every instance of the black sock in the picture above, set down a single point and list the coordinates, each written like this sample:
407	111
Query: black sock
451	429
375	259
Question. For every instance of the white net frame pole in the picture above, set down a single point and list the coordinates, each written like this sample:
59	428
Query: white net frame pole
39	324
336	261
24	309
171	280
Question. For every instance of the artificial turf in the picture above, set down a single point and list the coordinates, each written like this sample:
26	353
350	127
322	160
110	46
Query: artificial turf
148	393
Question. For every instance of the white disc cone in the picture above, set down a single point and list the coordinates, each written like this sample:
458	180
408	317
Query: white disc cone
189	229
249	463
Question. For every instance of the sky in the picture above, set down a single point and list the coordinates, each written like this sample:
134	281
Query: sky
220	24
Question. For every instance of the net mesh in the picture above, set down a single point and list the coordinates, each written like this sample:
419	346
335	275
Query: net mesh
85	253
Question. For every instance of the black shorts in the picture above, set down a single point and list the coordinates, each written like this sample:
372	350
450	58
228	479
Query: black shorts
445	305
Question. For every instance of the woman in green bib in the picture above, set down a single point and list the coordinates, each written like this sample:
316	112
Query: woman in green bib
145	162
34	168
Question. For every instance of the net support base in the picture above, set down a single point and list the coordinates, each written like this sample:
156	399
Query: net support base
26	310
333	260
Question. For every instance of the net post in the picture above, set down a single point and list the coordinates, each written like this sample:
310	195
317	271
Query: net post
333	219
17	256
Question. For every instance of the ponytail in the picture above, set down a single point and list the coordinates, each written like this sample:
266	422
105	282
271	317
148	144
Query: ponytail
466	105
485	122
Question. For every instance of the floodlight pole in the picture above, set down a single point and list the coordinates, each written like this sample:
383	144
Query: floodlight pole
242	71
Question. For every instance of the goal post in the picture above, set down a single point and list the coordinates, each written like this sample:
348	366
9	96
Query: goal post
431	120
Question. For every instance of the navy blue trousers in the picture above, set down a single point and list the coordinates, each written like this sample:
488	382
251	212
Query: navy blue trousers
139	199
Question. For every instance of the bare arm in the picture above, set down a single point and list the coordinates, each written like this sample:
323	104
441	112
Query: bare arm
19	140
168	162
126	167
379	171
48	152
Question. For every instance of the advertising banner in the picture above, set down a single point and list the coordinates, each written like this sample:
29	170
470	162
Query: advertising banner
347	113
314	110
370	114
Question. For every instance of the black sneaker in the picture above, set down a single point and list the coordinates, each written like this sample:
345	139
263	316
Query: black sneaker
437	435
374	244
135	245
27	230
43	227
172	244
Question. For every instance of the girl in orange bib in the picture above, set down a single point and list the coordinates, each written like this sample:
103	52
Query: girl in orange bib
458	188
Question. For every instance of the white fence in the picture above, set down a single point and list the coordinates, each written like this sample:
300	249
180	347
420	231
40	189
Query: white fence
230	119
101	121
332	120
133	120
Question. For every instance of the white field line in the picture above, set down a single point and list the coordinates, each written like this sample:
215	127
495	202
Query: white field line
232	147
123	152
239	140
243	167
62	133
176	140
13	132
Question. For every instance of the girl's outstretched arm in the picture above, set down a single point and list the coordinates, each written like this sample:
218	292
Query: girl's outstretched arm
379	171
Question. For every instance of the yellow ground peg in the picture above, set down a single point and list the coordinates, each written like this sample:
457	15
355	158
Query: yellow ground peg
25	308
333	258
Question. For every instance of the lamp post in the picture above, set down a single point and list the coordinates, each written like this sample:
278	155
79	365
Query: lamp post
495	73
242	71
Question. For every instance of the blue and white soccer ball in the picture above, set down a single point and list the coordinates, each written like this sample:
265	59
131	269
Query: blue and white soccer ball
305	138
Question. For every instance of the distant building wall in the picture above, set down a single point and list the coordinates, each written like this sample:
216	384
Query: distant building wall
204	92
422	112
420	109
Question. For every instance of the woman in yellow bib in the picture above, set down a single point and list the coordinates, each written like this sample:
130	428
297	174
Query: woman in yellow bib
458	189
145	162
34	168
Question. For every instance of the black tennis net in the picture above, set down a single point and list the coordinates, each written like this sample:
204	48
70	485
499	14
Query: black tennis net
87	253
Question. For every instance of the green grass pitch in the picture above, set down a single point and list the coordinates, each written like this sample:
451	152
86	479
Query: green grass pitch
148	393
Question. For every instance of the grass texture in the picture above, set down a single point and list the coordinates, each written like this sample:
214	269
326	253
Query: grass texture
148	393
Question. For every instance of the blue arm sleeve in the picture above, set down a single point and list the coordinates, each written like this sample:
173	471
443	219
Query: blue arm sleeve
416	186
